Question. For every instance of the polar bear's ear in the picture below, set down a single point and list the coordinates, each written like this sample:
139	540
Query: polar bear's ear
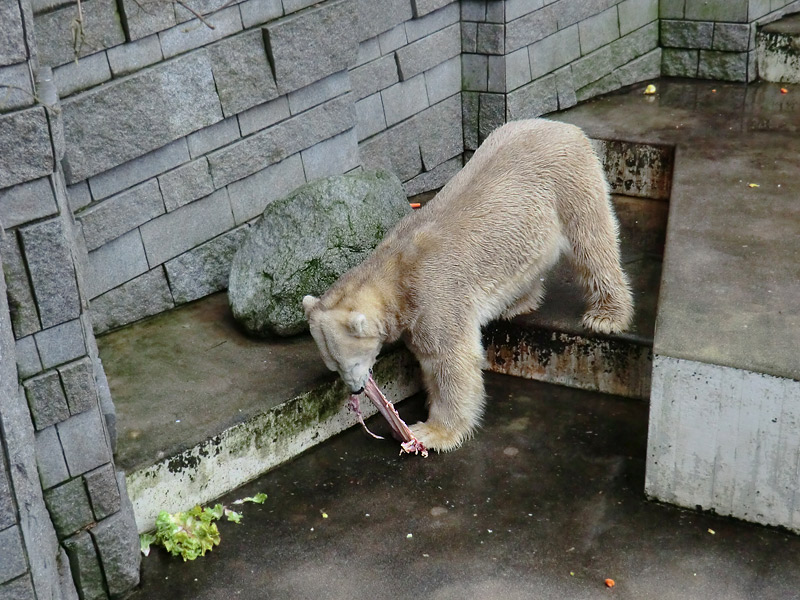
309	302
358	324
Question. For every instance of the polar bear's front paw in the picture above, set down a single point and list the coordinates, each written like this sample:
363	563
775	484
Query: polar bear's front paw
605	322
437	437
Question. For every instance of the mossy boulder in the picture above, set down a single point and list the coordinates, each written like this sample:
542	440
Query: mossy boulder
305	241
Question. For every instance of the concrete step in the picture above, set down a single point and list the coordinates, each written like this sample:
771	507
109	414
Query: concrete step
202	409
778	50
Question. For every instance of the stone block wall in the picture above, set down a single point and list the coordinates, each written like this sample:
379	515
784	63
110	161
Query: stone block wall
66	524
182	121
715	39
525	58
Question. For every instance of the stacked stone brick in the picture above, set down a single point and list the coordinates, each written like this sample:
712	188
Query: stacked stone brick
67	526
715	39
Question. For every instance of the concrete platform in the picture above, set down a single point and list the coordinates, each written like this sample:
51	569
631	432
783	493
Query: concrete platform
545	502
725	399
778	50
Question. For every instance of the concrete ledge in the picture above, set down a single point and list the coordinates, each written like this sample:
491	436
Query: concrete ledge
243	452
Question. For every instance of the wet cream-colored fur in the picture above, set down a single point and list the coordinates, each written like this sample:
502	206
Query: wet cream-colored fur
474	253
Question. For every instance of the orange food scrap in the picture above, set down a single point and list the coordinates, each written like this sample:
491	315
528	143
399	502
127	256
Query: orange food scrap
713	91
784	91
415	204
610	583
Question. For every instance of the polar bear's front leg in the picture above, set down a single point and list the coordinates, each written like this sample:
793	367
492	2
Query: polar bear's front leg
454	383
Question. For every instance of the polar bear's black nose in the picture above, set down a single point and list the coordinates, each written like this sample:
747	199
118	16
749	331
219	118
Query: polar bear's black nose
359	391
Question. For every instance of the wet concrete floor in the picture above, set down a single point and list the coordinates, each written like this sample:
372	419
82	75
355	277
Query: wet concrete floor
544	503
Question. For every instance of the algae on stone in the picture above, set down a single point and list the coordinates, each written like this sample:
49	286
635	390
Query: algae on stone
305	241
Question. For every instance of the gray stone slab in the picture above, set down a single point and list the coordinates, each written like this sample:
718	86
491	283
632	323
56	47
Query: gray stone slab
193	34
391	40
27	202
441	137
13	563
19	90
52	272
679	63
641	69
61	344
134	55
515	9
490	38
77	378
103	491
599	30
404	99
565	88
261	117
731	37
142	297
717	10
423	7
28	362
377	17
107	220
634	14
50	458
31	160
114	263
496	79
395	150
204	269
241	72
374	76
429	52
258	12
491	115
85	565
141	19
18	589
687	34
307	46
88	72
319	92
249	196
186	184
154	103
470	110
68	505
518	69
533	100
8	512
23	310
475	10
435	179
725	66
368	50
279	141
55	37
531	28
554	51
671	9
182	229
12	36
117	542
495	12
475	72
213	137
188	10
369	116
443	80
334	156
469	37
78	196
421	27
139	169
83	438
46	400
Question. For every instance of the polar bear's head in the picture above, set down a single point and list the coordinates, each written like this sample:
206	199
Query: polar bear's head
348	340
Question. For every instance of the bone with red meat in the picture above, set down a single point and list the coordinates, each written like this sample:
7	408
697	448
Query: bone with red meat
408	443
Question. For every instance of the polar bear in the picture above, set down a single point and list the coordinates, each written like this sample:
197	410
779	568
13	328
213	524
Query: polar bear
477	251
